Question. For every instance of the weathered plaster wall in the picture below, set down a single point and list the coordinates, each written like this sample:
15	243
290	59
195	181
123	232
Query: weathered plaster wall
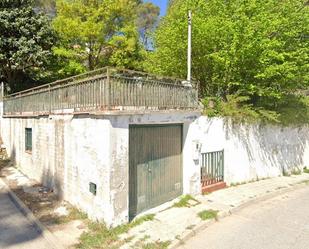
71	151
120	155
68	152
254	151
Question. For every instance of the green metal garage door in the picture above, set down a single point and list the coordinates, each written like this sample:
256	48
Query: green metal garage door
155	166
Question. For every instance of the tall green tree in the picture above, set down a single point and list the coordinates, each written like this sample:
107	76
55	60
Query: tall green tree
26	39
95	33
148	17
257	48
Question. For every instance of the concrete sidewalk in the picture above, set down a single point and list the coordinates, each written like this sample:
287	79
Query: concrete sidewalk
178	224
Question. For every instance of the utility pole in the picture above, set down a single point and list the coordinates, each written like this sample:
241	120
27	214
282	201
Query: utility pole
189	45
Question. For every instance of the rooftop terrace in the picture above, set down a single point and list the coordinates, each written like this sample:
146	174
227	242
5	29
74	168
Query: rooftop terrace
106	89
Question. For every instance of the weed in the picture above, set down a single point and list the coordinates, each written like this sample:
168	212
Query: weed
126	227
286	173
208	214
74	214
190	227
145	238
99	236
127	240
234	184
206	193
185	201
296	171
156	245
306	170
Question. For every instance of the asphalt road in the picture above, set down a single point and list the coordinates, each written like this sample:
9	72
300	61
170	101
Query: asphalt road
16	231
281	222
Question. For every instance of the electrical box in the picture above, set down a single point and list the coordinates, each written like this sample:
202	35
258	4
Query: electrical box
93	188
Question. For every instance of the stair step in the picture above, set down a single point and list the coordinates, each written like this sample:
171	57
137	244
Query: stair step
213	187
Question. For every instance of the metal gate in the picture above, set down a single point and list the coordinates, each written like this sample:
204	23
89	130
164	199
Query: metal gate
212	170
155	166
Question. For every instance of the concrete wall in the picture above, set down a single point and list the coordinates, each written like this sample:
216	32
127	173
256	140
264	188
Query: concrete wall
71	151
119	152
67	154
254	151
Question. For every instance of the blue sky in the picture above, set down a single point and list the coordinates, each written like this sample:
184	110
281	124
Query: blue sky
161	3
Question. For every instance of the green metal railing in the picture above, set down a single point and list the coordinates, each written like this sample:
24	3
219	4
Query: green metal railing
212	167
104	89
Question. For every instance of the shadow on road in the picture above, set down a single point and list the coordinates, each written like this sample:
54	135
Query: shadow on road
15	228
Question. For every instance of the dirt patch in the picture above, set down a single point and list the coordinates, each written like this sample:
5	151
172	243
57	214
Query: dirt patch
40	202
3	164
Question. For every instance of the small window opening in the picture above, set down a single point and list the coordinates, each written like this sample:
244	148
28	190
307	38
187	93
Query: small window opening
28	139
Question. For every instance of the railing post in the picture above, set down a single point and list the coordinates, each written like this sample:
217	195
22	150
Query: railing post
108	96
2	98
2	91
223	165
49	96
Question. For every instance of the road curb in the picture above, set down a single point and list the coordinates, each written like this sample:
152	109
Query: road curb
52	240
222	214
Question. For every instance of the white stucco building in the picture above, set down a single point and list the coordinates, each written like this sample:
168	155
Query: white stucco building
111	143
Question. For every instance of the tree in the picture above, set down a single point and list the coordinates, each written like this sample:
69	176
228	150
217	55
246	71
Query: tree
96	33
253	48
148	17
25	42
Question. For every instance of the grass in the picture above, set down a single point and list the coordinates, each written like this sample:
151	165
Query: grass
145	238
208	214
99	236
153	245
74	214
185	201
126	227
157	245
